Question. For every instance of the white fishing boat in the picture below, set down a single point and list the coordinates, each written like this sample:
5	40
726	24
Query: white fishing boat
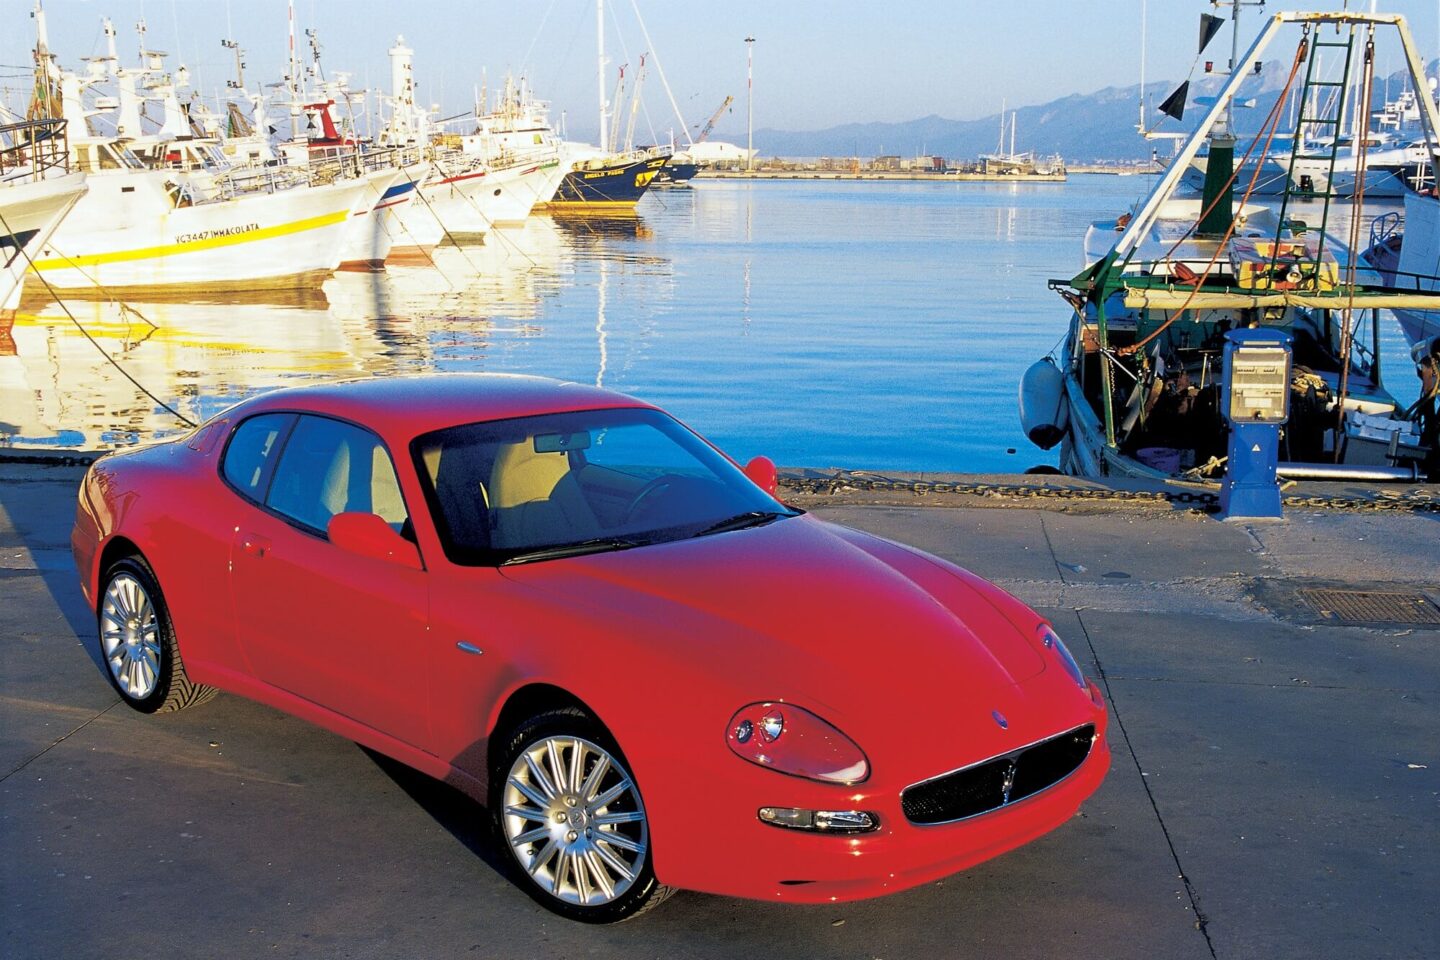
1406	252
1135	390
471	197
517	131
139	228
37	192
185	218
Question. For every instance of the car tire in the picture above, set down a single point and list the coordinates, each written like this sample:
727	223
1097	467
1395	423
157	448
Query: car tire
575	828
137	642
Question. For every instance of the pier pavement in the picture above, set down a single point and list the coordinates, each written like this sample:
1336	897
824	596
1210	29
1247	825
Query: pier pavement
1275	790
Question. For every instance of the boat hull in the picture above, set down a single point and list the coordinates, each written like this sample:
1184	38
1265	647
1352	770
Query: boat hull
1419	266
128	233
32	212
675	174
367	242
416	229
604	185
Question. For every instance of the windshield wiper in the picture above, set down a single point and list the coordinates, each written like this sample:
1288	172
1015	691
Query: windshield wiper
751	518
597	545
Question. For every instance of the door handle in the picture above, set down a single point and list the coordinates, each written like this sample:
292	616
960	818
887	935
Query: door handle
255	545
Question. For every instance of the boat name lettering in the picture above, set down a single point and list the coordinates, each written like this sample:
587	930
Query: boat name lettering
212	234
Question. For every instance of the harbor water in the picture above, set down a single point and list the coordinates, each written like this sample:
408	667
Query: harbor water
869	325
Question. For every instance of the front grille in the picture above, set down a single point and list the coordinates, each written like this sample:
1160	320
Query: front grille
991	784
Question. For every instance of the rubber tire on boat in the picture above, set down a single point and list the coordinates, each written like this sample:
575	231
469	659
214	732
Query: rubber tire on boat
645	892
174	690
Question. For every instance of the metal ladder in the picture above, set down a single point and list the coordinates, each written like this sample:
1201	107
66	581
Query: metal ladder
1335	123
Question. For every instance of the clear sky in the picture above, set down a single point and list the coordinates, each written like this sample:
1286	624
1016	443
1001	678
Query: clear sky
818	63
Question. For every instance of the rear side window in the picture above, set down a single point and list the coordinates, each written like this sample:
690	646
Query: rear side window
331	467
254	447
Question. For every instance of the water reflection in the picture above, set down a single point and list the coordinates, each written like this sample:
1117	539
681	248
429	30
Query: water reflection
471	307
876	326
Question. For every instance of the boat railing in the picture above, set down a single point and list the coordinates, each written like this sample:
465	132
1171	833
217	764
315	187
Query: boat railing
250	180
34	147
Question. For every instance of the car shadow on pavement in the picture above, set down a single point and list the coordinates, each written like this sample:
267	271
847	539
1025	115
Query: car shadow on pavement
460	814
37	511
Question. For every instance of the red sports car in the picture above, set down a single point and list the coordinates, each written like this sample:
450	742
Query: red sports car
651	671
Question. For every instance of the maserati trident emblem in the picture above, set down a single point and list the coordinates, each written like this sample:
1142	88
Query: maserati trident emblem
1000	719
1009	783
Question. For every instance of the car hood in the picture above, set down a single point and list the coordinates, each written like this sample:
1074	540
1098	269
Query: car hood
809	612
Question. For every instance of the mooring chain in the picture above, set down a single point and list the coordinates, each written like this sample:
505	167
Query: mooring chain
1413	501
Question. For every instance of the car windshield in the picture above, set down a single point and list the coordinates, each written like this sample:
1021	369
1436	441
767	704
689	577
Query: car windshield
538	488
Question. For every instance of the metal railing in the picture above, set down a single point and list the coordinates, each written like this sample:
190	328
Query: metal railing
34	147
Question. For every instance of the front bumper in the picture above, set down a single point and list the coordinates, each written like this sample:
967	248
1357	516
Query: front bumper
746	858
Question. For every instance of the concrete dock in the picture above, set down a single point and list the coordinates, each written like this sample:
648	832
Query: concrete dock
1275	790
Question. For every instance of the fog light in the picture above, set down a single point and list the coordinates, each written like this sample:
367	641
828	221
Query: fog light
820	821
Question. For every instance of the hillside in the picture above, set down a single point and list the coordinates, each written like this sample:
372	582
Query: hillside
1082	128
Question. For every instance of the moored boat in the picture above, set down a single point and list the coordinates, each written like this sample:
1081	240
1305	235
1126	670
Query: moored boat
1406	253
599	181
1141	366
37	192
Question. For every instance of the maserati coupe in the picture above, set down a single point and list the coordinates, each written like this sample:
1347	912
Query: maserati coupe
648	670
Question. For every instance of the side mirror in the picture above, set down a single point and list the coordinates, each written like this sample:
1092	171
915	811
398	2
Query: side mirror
370	536
762	471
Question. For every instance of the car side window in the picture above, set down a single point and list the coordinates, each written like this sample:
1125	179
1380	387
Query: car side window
251	453
330	467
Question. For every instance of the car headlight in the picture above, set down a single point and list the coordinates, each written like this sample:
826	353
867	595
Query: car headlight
1051	641
791	739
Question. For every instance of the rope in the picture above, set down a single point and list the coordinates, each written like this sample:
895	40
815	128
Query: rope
86	334
1272	122
1347	329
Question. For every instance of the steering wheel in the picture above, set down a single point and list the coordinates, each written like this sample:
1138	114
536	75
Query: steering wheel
647	495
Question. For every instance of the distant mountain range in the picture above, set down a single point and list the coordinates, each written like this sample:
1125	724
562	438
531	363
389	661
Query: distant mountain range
1084	128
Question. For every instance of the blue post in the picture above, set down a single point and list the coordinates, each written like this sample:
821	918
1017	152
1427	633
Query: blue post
1256	395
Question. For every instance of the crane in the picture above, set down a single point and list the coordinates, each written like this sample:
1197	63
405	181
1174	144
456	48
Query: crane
714	119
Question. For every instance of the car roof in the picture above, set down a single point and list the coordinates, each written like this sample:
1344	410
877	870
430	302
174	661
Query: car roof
410	405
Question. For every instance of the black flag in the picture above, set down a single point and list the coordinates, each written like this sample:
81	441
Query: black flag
1174	105
1209	26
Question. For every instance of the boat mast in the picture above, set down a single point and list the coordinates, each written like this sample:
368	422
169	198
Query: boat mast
293	77
635	106
600	69
660	68
1143	8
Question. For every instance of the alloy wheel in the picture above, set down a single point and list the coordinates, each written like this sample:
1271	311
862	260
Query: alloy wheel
130	636
574	820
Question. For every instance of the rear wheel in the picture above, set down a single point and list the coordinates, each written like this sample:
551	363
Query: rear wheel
137	642
571	816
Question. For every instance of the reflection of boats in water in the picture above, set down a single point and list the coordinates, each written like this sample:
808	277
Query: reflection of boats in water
57	389
525	301
1136	389
616	224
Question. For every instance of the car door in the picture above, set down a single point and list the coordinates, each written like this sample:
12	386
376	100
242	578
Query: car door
342	630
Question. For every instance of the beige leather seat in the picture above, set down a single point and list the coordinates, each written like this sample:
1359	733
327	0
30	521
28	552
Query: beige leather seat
536	500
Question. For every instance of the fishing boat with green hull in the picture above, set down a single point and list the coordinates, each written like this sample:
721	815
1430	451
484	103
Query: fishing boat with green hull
1135	390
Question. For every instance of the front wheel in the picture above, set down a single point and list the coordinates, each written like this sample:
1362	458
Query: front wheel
571	815
137	642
